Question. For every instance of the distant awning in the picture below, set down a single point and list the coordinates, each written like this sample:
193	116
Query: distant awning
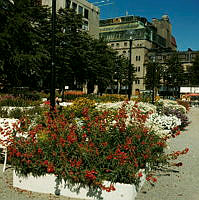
192	94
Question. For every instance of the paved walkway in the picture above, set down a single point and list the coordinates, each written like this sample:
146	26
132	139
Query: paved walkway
182	185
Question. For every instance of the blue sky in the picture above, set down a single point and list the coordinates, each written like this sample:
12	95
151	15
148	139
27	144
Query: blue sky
183	15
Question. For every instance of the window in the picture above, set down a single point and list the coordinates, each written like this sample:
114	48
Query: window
117	44
125	44
67	4
137	81
137	58
124	52
36	3
85	25
74	6
137	69
86	13
112	45
80	10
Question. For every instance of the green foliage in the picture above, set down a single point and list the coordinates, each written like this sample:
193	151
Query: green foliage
17	102
193	72
4	112
111	98
16	113
22	53
174	72
153	75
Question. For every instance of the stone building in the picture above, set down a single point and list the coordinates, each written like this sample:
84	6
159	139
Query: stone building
185	58
145	35
89	12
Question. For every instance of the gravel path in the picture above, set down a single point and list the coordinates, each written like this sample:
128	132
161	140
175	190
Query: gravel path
182	185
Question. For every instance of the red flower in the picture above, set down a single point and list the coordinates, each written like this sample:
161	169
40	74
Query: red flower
104	144
39	150
28	162
145	156
109	157
143	142
50	169
140	174
136	165
47	102
150	178
18	154
45	162
91	174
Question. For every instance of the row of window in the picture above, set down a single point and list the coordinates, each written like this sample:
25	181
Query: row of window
137	81
137	58
78	9
125	44
180	56
137	69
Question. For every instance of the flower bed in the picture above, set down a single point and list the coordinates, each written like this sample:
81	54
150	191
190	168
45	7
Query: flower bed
98	145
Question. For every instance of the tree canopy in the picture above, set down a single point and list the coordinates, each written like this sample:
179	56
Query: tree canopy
26	46
193	72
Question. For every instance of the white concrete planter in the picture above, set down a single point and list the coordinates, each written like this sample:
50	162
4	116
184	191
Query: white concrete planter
46	184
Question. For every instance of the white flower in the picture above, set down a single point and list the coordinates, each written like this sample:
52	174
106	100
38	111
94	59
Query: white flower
162	124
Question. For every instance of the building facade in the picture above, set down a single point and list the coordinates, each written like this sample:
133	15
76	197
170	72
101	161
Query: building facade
145	35
89	12
185	58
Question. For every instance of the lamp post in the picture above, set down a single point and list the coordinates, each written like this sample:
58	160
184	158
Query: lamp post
52	88
154	80
130	70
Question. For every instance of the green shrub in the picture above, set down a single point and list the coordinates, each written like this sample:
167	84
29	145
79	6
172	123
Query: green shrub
16	113
111	98
3	112
12	101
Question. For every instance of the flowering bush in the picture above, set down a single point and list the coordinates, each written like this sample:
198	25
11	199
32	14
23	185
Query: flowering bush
163	125
78	105
186	104
102	147
172	105
179	114
73	94
145	108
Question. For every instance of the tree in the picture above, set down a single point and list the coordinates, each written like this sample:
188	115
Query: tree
26	53
121	72
174	74
193	72
22	53
153	75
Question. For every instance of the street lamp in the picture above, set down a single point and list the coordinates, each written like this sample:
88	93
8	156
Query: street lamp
130	70
153	78
52	88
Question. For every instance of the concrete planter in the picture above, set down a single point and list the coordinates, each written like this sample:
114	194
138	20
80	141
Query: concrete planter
46	184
